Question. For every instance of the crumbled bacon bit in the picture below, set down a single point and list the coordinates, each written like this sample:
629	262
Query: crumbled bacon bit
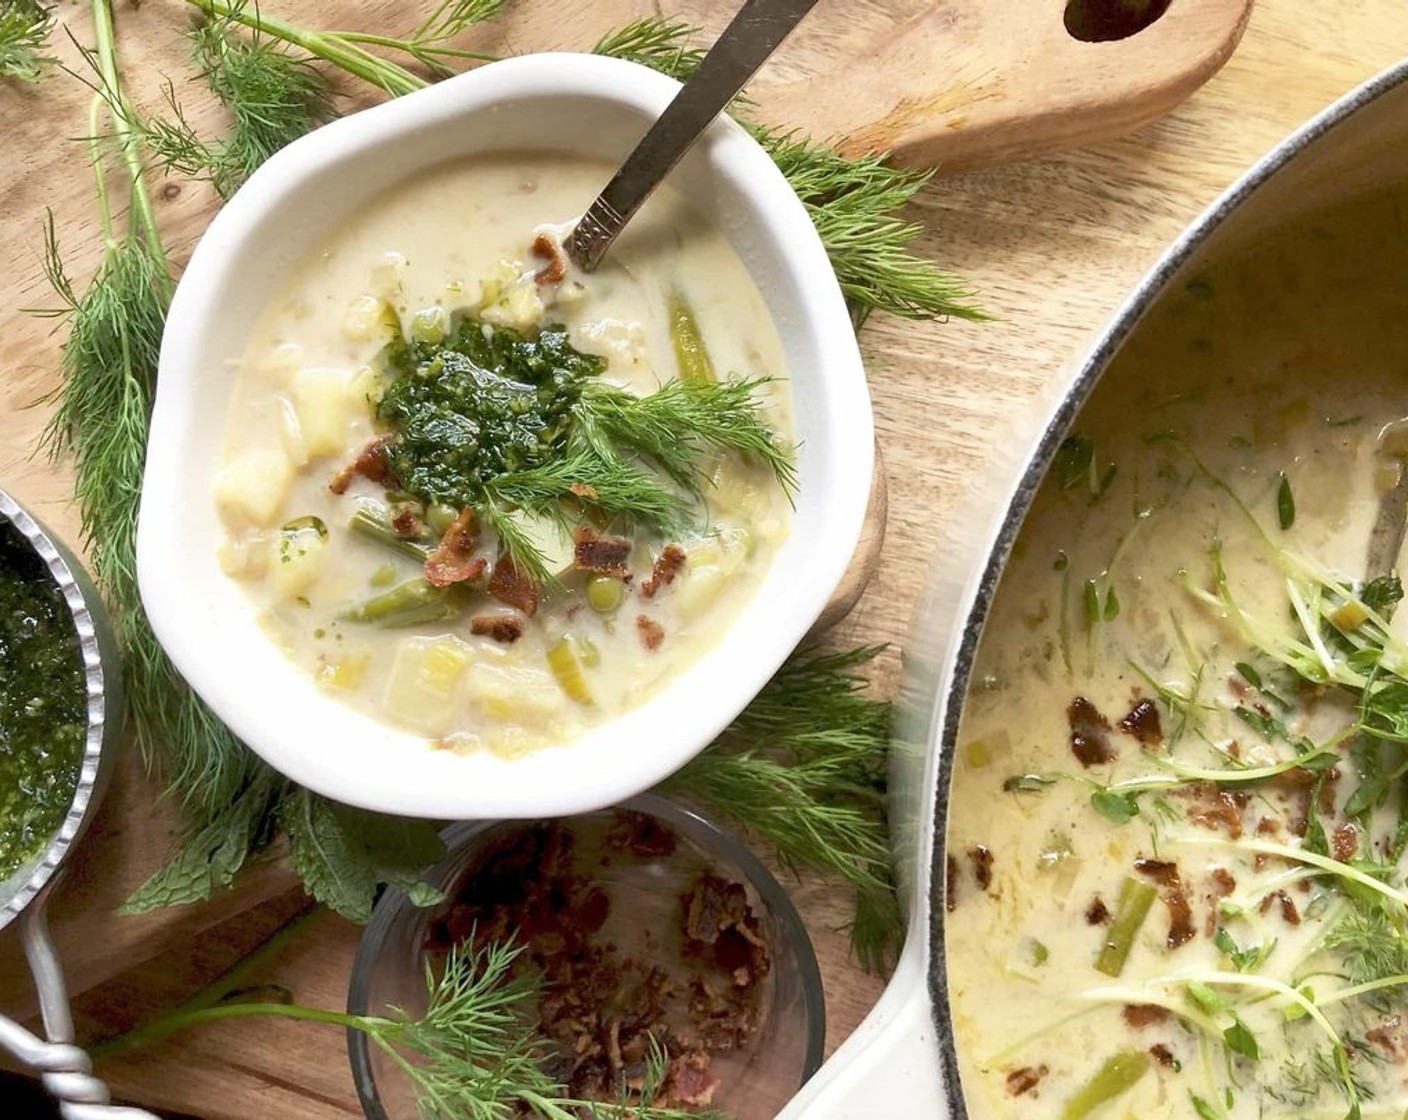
1140	1015
1097	913
1175	898
556	269
691	1082
1215	808
510	586
1289	914
668	565
406	523
1090	733
603	1009
371	462
1142	721
506	628
1163	1055
452	561
600	552
1390	1036
1024	1080
982	866
1344	842
950	883
1223	884
651	632
582	490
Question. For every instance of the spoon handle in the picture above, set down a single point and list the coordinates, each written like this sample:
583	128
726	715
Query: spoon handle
745	44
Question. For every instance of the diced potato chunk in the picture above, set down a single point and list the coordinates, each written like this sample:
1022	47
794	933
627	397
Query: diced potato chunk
298	561
252	485
345	675
367	318
422	689
712	562
512	299
515	693
324	401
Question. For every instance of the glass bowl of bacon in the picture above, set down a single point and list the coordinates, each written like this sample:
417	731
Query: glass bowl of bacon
661	957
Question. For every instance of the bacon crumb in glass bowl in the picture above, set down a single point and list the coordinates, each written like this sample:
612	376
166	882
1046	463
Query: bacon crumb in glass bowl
645	928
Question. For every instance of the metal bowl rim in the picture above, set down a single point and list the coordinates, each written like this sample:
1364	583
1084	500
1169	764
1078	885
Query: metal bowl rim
84	797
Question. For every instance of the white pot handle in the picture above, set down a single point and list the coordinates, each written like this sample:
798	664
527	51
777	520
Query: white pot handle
890	1067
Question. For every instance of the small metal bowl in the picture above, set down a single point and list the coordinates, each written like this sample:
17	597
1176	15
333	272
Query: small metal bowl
389	970
101	667
66	1070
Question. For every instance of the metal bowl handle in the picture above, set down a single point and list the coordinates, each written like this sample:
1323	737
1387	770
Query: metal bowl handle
66	1070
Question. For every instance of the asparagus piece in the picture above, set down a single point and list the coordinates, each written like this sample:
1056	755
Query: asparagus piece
1133	908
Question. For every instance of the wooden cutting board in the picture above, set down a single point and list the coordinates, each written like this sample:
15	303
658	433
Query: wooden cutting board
953	83
962	82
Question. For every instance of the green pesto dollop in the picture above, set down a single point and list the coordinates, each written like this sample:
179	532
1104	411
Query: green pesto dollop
43	704
485	401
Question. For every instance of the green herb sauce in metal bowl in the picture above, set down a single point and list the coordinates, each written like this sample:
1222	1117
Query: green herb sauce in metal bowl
43	703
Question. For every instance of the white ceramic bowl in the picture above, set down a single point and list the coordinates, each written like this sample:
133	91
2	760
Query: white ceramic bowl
555	102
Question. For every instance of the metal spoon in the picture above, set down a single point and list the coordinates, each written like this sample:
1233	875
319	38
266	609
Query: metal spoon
745	44
1386	536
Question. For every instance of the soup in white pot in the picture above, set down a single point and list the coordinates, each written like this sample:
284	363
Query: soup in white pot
1179	811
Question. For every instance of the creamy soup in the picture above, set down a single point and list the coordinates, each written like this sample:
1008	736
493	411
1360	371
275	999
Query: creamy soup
487	498
1179	810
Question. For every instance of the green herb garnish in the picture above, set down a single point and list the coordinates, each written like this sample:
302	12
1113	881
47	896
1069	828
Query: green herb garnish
24	39
499	421
473	1053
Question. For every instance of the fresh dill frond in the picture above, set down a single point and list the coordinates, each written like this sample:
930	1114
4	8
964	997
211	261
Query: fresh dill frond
854	204
659	42
1372	946
430	44
675	424
804	767
273	97
474	1053
620	490
103	403
25	26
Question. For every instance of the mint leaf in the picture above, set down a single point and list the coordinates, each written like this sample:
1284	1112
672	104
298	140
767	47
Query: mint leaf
1241	1040
343	854
1118	808
209	859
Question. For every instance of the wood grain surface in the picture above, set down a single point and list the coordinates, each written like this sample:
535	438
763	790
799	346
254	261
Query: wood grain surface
1051	246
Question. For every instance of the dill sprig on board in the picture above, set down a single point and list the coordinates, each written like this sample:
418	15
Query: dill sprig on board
473	1053
273	97
229	799
430	44
854	203
663	44
25	26
804	767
